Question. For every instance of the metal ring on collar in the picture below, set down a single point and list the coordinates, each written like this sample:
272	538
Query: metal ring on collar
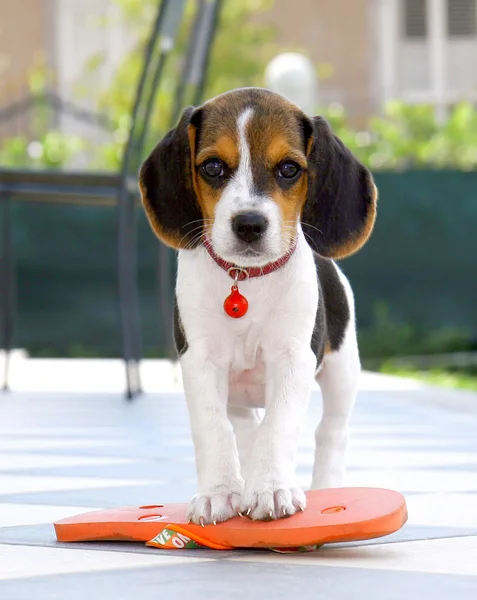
238	270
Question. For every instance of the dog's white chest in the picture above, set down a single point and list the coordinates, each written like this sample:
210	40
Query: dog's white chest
246	349
282	309
247	370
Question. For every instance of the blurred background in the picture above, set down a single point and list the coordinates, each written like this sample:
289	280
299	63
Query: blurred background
81	274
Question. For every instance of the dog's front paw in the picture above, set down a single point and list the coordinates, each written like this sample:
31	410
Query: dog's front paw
215	506
267	501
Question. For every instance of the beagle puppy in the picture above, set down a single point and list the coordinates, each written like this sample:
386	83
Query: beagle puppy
259	199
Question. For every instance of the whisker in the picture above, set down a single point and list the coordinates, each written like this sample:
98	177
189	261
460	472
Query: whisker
196	221
195	229
192	244
193	241
190	232
312	241
313	227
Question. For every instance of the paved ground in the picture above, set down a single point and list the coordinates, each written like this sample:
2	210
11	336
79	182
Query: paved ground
62	453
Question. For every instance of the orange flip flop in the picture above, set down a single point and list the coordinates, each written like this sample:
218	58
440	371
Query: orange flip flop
333	515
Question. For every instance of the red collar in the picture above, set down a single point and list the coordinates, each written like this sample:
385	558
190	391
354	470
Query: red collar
241	273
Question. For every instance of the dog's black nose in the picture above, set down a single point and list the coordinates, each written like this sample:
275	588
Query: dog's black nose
249	226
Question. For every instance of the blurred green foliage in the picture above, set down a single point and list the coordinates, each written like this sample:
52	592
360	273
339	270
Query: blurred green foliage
403	137
463	378
409	137
52	149
46	147
242	48
387	338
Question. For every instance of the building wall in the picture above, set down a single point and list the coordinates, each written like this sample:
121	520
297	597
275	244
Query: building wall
23	44
62	35
425	52
84	30
23	35
335	32
66	33
460	73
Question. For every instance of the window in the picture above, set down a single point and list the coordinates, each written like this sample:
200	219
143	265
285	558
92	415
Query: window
415	19
461	17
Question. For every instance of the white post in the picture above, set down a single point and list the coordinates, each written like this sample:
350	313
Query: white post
436	10
293	76
388	27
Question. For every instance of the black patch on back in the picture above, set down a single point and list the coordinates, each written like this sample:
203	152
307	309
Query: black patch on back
180	339
333	314
318	339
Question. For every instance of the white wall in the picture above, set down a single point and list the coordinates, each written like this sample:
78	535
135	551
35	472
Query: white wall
82	29
408	69
462	64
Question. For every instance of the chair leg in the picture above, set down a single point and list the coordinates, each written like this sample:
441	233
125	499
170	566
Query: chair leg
136	377
6	372
7	288
133	379
128	296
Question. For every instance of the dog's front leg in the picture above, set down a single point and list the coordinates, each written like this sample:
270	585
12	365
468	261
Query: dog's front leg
220	484
271	491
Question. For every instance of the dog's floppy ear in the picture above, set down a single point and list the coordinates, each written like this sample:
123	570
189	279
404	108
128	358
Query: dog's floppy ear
166	182
340	209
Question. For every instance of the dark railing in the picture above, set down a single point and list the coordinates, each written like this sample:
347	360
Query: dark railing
50	100
117	188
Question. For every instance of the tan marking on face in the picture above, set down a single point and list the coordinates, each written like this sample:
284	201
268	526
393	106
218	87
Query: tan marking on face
204	198
273	134
218	139
208	198
275	142
291	202
224	148
328	349
192	132
279	148
291	205
309	145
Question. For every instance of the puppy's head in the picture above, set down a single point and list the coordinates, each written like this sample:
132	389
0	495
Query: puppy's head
247	169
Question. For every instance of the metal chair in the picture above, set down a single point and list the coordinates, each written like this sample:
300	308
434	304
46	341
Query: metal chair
48	186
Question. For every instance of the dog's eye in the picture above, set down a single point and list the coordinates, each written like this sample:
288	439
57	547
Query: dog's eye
213	167
288	169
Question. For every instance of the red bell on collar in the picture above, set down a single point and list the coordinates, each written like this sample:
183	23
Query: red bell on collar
236	305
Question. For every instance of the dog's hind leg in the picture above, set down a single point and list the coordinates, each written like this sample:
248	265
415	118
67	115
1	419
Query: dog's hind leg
245	422
338	380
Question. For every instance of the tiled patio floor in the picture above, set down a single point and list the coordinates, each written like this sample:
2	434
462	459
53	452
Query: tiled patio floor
65	452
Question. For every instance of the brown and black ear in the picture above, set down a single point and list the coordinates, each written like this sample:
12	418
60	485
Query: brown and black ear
340	209
167	188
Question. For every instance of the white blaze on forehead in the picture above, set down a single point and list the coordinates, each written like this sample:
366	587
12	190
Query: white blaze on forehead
239	196
243	175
